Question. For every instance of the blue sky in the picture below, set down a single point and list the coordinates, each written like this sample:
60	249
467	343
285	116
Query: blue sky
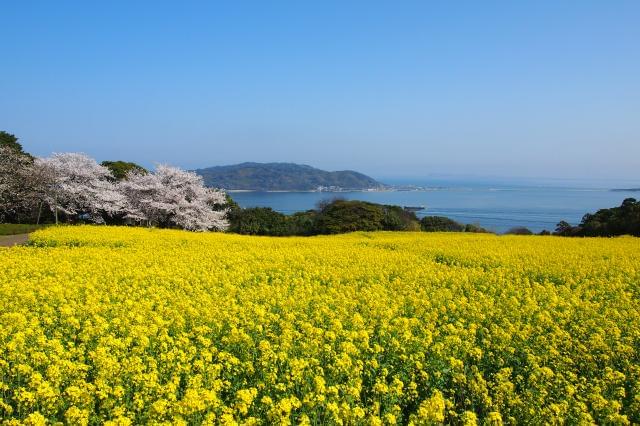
527	89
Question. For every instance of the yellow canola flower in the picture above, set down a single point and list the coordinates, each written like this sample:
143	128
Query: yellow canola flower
124	326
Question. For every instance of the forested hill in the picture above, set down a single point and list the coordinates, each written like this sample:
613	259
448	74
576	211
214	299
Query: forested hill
283	177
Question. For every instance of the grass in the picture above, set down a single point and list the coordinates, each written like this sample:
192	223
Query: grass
18	228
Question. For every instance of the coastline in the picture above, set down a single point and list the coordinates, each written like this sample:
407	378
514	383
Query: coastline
371	190
428	189
308	190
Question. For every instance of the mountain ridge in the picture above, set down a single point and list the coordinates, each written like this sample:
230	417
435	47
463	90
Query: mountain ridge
282	176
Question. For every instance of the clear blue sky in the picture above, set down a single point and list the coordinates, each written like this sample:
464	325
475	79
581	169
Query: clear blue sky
513	88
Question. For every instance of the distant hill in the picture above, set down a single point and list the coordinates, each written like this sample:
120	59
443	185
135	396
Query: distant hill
284	177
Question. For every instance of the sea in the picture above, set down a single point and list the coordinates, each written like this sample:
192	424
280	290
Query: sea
496	206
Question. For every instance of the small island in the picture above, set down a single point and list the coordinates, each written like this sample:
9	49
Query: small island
285	177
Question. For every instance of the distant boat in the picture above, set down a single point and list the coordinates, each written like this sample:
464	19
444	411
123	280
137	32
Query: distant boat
414	208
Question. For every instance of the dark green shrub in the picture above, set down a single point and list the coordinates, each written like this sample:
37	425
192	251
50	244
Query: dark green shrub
258	221
342	216
302	223
398	219
565	229
473	227
440	224
614	221
519	230
623	220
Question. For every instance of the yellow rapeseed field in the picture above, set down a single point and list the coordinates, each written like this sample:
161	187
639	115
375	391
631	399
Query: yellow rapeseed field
131	326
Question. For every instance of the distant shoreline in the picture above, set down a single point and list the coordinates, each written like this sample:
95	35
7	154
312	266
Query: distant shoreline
417	189
310	190
339	191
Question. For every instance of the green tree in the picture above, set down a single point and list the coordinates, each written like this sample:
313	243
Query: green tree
398	219
563	228
614	221
120	169
230	204
440	224
519	230
622	220
258	221
475	228
10	140
302	223
343	216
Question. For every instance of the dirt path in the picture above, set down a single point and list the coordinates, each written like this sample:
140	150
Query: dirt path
12	240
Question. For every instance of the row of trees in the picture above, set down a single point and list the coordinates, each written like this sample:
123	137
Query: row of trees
335	217
74	187
331	217
622	220
444	224
340	216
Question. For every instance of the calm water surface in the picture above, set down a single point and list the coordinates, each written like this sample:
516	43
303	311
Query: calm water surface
497	208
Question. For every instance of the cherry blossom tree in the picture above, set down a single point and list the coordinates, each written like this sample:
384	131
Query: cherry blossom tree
76	185
79	186
173	197
18	188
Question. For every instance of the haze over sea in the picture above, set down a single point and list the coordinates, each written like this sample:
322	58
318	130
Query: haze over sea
493	204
